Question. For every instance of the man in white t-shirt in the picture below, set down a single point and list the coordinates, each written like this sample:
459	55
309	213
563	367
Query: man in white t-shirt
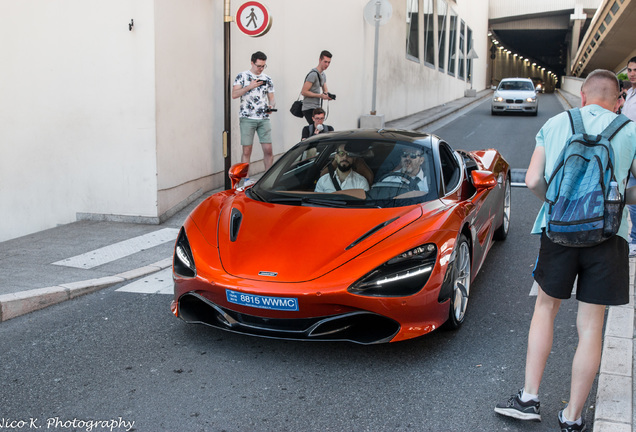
256	91
344	176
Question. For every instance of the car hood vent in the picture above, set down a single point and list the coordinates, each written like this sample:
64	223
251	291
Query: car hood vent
370	232
235	223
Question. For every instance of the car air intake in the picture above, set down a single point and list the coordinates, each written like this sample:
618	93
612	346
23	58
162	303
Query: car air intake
358	327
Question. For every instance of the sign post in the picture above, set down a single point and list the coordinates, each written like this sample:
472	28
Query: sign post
376	13
252	19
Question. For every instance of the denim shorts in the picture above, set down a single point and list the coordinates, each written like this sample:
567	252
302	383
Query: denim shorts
249	126
602	270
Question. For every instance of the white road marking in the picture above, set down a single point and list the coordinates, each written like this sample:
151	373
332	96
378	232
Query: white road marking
119	250
156	283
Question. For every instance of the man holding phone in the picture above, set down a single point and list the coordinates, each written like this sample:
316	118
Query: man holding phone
256	91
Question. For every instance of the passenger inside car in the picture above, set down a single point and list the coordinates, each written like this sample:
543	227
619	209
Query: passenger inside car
341	175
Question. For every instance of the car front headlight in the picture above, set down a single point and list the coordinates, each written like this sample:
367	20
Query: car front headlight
498	99
183	262
531	99
403	275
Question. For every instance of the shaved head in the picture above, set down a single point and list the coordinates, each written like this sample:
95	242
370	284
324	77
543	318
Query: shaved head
601	86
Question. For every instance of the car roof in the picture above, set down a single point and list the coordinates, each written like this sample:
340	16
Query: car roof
516	79
376	134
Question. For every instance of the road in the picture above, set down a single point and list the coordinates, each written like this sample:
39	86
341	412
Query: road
121	356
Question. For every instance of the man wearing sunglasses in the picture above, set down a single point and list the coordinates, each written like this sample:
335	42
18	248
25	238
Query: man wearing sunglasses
342	176
410	172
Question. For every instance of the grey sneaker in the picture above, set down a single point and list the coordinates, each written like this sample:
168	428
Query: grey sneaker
567	427
519	410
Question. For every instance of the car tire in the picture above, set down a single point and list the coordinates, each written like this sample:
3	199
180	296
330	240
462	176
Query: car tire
502	231
461	285
493	112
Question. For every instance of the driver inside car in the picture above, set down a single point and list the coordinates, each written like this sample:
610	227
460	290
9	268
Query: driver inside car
410	171
342	176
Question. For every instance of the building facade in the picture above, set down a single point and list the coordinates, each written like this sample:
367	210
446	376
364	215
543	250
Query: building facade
115	110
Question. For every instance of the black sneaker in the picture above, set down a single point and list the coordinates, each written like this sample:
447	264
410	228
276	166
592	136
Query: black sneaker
519	410
567	427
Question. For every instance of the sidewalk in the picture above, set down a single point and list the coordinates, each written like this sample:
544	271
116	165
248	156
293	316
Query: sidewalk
53	266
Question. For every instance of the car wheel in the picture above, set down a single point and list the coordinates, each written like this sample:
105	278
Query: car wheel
502	232
461	285
493	112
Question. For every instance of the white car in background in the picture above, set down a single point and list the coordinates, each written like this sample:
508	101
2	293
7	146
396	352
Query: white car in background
515	95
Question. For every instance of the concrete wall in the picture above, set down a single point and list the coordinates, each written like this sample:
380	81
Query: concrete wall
77	112
104	122
189	96
572	84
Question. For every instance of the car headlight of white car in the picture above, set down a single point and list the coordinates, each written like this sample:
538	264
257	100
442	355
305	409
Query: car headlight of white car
531	99
498	99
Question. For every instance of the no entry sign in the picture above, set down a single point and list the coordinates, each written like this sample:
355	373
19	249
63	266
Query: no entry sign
253	19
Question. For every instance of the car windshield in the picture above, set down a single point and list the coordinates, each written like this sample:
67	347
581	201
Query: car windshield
336	172
516	85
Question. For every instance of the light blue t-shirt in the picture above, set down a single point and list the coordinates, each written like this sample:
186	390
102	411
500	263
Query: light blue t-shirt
556	131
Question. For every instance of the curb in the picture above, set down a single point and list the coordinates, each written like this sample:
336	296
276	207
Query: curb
613	411
21	303
450	108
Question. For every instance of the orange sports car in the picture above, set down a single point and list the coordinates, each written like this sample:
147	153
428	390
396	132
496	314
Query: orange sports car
362	236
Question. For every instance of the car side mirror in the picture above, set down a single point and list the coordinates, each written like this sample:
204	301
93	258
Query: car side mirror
237	172
483	179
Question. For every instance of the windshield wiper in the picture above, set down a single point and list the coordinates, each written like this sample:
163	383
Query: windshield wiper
324	202
286	200
301	200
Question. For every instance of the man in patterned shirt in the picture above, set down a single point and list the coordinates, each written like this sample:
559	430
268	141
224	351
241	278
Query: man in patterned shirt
256	91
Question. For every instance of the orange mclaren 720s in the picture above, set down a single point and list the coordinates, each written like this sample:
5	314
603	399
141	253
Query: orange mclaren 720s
361	236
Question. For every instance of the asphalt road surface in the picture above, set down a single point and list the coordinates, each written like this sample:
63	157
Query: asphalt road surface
117	360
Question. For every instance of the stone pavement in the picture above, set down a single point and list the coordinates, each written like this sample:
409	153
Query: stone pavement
36	272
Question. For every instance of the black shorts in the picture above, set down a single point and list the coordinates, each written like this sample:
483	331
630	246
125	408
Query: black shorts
603	271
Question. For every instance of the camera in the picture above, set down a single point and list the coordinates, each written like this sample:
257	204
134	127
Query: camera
269	110
331	95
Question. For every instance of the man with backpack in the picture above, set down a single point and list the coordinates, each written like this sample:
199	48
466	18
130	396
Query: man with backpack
314	89
596	252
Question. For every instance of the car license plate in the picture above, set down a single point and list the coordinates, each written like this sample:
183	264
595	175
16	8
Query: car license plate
262	302
512	107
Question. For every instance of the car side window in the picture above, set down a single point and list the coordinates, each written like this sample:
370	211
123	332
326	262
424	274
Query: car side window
450	167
